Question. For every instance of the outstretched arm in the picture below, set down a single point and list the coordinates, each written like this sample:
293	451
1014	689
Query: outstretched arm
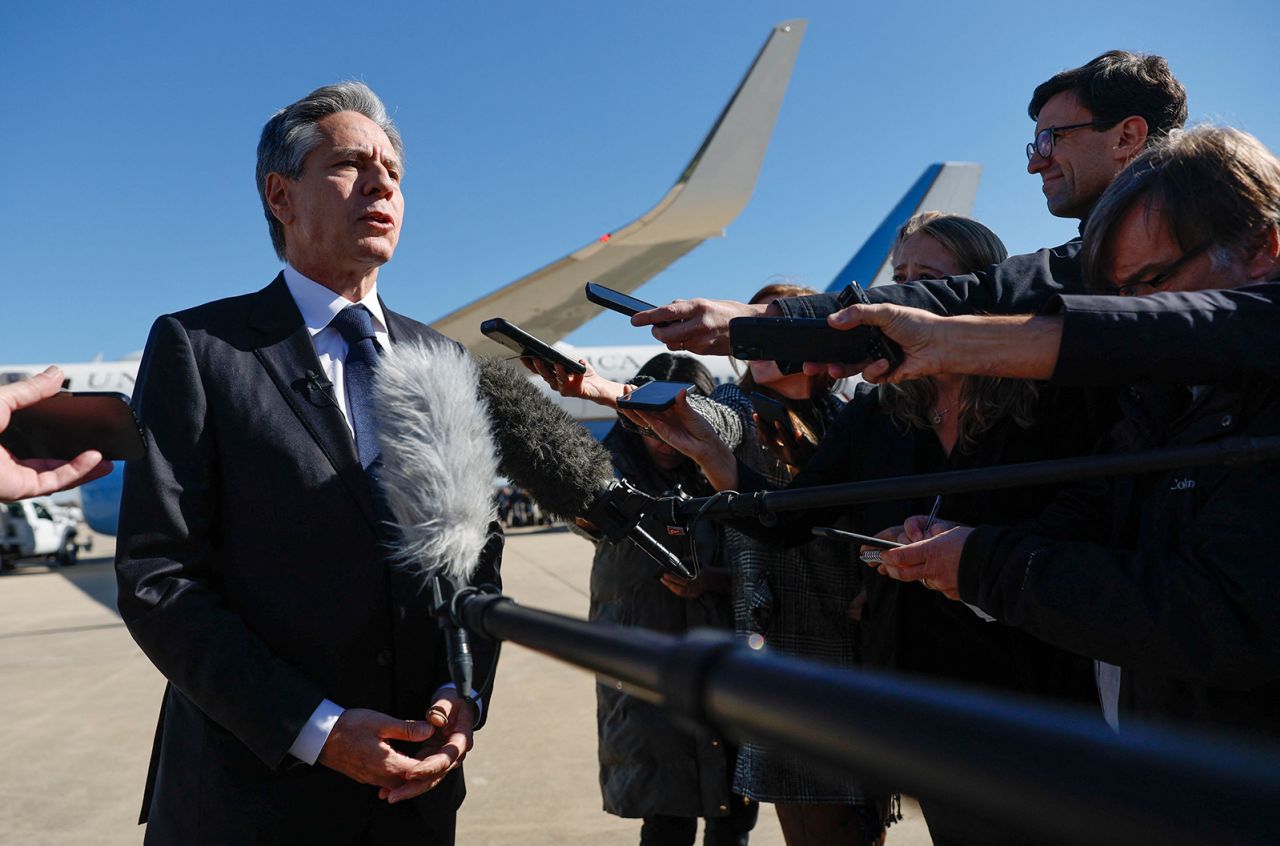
691	433
590	386
1017	346
699	326
28	477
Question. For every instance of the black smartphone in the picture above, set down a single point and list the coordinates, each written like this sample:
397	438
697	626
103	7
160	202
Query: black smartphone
654	396
854	537
616	300
798	339
522	343
66	424
772	411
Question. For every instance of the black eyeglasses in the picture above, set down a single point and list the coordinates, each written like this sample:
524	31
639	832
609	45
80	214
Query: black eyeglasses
1045	137
1130	290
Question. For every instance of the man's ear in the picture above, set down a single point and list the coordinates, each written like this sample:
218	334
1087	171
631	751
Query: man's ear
278	198
1132	138
1263	264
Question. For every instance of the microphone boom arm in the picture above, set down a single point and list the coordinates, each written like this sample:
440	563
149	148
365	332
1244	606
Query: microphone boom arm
616	512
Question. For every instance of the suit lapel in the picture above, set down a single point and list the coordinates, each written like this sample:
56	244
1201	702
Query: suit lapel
285	349
402	329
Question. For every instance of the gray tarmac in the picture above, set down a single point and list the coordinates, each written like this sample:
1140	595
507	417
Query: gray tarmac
79	703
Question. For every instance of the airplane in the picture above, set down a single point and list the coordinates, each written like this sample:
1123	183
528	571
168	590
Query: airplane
948	187
709	194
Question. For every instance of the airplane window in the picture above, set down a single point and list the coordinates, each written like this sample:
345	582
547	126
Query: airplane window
42	512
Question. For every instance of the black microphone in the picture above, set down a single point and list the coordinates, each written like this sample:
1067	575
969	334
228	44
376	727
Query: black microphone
438	467
318	388
549	454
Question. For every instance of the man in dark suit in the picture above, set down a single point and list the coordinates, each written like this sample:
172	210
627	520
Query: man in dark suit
307	691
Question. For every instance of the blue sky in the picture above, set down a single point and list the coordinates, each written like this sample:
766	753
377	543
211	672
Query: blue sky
531	128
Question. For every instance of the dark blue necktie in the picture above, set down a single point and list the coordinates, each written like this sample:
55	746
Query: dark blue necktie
355	324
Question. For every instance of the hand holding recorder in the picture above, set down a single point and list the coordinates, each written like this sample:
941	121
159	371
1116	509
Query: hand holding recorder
691	434
783	430
27	476
970	345
588	385
698	326
527	346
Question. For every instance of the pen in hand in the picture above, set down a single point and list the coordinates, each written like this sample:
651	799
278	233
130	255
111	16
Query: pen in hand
933	514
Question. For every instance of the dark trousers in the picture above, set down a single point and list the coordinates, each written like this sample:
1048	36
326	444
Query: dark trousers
401	824
951	825
729	830
820	824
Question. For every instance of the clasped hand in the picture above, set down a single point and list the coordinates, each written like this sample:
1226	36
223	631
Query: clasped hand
359	747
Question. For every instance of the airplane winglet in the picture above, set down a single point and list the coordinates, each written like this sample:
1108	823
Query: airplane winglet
715	186
710	192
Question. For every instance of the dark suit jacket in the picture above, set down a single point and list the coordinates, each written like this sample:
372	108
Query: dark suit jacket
252	572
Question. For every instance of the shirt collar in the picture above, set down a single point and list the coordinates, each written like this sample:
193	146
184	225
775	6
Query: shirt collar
319	305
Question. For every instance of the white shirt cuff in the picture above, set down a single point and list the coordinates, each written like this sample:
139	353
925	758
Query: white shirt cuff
306	747
475	697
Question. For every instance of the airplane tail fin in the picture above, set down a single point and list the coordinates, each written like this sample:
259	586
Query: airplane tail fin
948	187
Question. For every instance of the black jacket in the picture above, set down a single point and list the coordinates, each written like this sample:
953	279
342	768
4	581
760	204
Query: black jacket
253	572
905	626
1019	284
648	765
1197	337
1172	576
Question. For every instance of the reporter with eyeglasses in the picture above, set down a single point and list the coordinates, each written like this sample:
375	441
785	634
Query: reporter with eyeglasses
1168	580
1091	121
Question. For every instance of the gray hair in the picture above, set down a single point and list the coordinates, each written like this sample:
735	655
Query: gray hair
291	135
1216	187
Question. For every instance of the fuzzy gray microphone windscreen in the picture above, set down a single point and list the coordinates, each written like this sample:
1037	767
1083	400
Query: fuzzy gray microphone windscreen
542	449
438	456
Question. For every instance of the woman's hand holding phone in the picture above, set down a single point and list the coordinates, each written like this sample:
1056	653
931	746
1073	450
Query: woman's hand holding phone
590	385
691	434
788	443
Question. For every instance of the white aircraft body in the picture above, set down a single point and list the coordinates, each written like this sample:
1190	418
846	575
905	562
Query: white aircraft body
548	303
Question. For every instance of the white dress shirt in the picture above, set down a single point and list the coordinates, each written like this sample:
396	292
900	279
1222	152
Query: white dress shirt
319	306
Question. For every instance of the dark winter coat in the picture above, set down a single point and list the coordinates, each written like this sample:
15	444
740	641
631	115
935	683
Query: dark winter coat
648	765
1172	576
905	626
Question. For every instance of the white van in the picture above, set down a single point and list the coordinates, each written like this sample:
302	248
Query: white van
37	529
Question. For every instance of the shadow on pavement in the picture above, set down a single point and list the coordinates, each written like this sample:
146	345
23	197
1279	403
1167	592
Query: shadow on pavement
95	578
